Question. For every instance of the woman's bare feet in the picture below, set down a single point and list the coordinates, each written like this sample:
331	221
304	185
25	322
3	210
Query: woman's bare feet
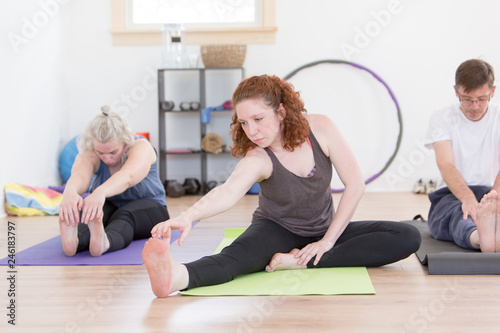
69	237
165	275
282	261
486	221
99	242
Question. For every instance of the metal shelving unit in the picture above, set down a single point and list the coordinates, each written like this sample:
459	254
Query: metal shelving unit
164	83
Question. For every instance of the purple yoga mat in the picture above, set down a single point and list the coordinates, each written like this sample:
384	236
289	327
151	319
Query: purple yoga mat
50	253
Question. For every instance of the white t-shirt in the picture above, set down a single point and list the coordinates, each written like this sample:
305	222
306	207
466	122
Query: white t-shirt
476	145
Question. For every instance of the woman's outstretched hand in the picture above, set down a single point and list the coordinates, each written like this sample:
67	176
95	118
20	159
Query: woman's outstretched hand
92	207
69	209
184	226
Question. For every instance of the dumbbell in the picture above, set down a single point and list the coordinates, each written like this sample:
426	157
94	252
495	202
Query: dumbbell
191	186
176	190
213	184
173	189
186	106
167	105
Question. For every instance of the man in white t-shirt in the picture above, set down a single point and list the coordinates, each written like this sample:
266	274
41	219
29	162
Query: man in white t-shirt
466	139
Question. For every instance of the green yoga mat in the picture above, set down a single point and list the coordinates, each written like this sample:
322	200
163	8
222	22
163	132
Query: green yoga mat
319	281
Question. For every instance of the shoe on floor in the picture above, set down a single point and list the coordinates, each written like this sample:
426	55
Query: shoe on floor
419	187
430	186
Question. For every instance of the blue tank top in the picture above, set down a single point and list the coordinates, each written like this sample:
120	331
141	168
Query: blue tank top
148	188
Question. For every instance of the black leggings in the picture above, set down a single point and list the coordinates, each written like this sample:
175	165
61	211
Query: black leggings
364	243
133	220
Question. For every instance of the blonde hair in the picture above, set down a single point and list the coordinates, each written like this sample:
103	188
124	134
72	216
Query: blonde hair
106	127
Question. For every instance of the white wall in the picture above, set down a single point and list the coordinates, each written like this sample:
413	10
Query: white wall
56	83
34	112
416	52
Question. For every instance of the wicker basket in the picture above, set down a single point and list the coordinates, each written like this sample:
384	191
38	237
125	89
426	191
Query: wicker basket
216	56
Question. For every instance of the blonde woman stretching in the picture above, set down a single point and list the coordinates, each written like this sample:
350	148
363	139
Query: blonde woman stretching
126	198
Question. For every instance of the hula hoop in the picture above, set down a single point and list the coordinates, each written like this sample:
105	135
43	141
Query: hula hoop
393	97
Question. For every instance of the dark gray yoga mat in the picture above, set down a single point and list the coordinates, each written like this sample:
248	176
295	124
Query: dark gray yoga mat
447	258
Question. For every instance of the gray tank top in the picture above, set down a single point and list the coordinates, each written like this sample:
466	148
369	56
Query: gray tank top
302	205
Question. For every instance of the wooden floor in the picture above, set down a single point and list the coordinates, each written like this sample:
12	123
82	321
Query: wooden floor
119	298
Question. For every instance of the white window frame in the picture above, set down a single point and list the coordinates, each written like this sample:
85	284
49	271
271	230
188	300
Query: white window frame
124	35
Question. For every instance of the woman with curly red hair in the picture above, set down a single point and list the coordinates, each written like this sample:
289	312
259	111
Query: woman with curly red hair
290	153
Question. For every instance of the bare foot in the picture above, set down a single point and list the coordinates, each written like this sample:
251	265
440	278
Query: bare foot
486	221
165	275
99	242
69	237
282	261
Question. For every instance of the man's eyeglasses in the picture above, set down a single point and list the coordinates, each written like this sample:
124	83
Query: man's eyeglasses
467	101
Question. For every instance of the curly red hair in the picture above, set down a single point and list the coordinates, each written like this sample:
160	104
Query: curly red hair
273	91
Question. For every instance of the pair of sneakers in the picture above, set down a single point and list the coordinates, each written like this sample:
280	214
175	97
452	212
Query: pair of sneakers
422	187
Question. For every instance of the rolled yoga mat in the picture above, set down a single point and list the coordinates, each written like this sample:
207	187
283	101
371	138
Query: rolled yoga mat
317	281
447	258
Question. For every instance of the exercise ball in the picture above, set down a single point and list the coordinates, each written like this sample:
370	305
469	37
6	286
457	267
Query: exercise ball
67	158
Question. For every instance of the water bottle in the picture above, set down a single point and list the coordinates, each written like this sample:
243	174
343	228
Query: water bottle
174	55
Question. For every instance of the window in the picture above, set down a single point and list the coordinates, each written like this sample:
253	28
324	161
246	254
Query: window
194	13
137	22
